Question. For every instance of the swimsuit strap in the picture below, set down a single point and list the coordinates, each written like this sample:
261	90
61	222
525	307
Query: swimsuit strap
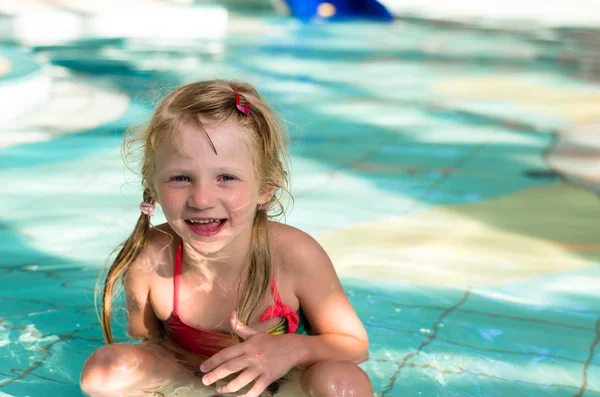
176	274
274	291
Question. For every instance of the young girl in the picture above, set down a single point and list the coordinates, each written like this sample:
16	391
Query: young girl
225	300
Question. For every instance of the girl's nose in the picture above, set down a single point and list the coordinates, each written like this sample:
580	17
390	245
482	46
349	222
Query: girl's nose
202	197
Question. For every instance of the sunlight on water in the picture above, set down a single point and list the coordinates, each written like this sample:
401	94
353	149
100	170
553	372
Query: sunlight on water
450	173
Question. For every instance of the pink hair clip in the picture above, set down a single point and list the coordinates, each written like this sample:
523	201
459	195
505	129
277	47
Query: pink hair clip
242	104
147	208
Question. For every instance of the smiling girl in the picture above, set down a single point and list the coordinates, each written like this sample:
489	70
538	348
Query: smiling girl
224	299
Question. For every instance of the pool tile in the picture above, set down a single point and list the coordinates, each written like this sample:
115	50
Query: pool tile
573	291
35	386
494	307
516	335
416	381
494	362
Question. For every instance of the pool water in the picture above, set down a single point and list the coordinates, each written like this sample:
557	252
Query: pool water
450	173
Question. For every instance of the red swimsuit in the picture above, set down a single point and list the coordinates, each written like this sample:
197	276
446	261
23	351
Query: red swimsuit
206	342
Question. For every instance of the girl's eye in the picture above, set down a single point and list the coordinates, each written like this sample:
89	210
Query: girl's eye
227	178
180	178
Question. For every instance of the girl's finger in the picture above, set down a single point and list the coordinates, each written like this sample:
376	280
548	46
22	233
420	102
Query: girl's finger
242	380
224	370
259	386
221	357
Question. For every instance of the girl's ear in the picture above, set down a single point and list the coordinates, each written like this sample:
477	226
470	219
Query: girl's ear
266	193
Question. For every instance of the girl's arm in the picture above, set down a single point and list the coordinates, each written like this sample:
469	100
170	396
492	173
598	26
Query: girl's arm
264	358
341	334
141	319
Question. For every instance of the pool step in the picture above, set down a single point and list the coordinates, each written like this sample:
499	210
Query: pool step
24	84
36	24
41	101
533	13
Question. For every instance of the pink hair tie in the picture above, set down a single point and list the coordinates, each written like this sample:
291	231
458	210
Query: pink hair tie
146	208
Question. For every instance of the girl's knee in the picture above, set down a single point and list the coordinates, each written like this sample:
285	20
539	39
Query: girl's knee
333	378
112	368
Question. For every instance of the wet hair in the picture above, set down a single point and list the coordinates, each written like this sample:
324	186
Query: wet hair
214	100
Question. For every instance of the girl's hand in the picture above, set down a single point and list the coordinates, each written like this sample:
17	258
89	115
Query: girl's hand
262	358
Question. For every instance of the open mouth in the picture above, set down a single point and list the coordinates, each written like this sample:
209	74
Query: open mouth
206	227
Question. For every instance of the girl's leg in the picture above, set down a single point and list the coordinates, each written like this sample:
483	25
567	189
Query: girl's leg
336	379
152	368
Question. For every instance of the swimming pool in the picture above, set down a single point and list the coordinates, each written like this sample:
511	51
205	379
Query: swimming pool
450	173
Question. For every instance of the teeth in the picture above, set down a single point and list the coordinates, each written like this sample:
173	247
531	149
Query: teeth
204	221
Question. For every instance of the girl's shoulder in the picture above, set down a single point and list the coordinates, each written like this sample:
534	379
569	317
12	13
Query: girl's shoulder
293	247
312	276
280	233
158	253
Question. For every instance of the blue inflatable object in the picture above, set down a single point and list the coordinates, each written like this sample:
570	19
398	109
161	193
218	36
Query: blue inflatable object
339	10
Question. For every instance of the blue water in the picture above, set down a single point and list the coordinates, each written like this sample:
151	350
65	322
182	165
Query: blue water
470	260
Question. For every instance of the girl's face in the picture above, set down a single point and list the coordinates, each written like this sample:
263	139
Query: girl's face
209	199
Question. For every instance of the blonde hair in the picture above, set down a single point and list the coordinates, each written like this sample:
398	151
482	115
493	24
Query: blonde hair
214	100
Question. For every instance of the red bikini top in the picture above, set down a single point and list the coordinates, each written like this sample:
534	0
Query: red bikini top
207	342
